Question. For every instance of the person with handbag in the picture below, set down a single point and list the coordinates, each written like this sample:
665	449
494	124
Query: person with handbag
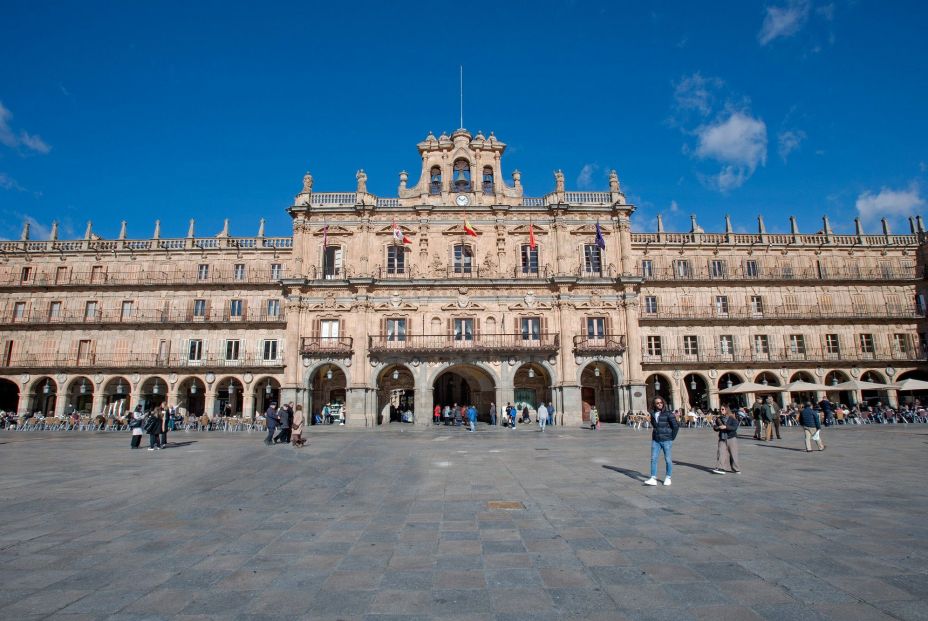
811	426
153	429
726	424
136	420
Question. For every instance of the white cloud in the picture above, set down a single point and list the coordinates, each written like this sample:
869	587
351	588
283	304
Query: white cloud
9	183
891	204
827	11
739	143
784	21
788	141
585	178
696	93
674	208
9	138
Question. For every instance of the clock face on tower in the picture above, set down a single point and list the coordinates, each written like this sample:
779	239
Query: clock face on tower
462	200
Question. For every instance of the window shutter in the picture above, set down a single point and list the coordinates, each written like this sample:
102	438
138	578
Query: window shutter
476	327
207	309
244	309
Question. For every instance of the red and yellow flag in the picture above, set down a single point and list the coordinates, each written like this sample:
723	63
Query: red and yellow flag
531	236
469	229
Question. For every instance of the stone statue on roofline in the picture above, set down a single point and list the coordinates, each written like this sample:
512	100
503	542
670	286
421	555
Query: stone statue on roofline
307	183
558	180
362	181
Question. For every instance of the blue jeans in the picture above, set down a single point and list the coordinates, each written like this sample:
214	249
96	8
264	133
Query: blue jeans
657	447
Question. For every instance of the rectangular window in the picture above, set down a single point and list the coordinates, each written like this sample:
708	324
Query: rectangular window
650	305
654	346
827	303
681	268
202	271
199	308
276	271
596	327
84	352
726	344
235	308
529	259
717	268
750	269
270	349
7	353
690	345
61	275
797	344
463	329
232	349
195	350
90	311
238	272
332	262
901	343
19	311
866	343
396	260
822	270
126	312
786	271
832	345
761	344
721	305
647	268
531	328
273	308
96	274
25	274
329	330
886	270
396	329
592	259
54	310
757	305
463	259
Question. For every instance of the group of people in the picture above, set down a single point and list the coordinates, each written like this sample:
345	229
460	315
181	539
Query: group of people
156	422
288	422
455	415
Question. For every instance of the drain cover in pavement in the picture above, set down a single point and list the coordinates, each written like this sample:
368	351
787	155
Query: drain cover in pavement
505	504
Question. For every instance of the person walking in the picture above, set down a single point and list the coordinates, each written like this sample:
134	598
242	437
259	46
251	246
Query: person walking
284	435
472	418
153	429
296	428
136	420
551	412
436	414
772	411
511	415
726	424
811	426
664	431
272	420
542	415
594	418
493	413
165	419
757	411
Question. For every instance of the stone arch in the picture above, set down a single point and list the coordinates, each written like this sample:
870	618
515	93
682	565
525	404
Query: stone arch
229	402
78	399
772	378
148	396
321	391
599	381
9	395
42	401
876	376
611	364
478	386
658	384
804	376
391	403
261	398
191	395
117	395
696	386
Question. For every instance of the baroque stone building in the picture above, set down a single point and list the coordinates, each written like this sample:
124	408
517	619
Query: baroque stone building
459	289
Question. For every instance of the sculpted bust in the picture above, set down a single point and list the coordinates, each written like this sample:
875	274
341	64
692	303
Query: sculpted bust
307	183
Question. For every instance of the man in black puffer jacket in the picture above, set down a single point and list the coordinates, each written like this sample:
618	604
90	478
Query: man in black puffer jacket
665	428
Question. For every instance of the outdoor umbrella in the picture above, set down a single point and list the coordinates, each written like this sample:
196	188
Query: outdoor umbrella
910	385
743	387
860	385
801	386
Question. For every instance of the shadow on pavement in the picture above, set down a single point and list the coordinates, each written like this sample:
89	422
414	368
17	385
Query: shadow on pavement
782	448
693	466
632	474
178	444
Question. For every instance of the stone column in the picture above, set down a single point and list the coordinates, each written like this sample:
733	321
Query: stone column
26	403
572	412
209	402
97	407
423	406
633	352
61	401
892	398
713	398
784	398
625	245
248	403
357	402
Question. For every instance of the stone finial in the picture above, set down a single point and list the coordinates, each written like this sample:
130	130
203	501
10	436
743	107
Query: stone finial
54	234
88	233
122	230
190	228
761	227
157	233
516	178
307	183
225	229
660	223
885	224
362	181
919	224
614	181
793	225
826	226
911	225
728	228
558	180
858	227
24	236
404	177
261	228
694	226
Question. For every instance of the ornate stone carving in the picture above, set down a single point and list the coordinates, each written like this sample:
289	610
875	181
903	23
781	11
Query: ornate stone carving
362	181
558	180
307	183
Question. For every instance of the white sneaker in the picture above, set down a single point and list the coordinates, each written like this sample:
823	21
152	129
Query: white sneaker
667	481
651	481
717	471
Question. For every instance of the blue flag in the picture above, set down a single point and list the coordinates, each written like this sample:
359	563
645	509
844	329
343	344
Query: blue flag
599	237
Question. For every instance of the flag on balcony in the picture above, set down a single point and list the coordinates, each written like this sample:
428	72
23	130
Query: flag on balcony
325	236
531	236
398	234
600	240
469	229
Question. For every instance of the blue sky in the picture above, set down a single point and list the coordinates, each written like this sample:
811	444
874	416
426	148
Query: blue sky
212	110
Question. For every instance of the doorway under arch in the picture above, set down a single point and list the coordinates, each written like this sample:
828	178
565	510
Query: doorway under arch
728	380
9	396
658	385
46	396
117	396
396	394
80	395
328	385
697	391
191	396
531	385
597	388
465	384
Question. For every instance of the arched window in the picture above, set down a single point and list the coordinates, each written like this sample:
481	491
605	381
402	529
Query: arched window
463	259
487	180
461	176
435	181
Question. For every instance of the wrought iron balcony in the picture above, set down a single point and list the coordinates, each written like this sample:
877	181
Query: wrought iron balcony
782	312
445	343
138	317
143	278
313	346
750	356
702	273
155	361
606	345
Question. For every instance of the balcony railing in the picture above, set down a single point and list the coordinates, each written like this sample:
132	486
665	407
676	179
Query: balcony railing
439	343
748	313
143	278
139	317
762	273
607	345
326	346
743	356
134	361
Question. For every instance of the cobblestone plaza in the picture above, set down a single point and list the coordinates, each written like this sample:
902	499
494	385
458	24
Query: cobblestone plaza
439	524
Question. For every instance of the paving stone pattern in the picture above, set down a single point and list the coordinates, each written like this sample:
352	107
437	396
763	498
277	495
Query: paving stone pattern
398	524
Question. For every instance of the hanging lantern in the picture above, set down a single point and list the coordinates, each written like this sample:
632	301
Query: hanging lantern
119	388
47	388
728	383
834	380
156	388
764	382
193	388
657	384
84	387
693	384
396	374
267	388
596	371
231	390
328	374
531	373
